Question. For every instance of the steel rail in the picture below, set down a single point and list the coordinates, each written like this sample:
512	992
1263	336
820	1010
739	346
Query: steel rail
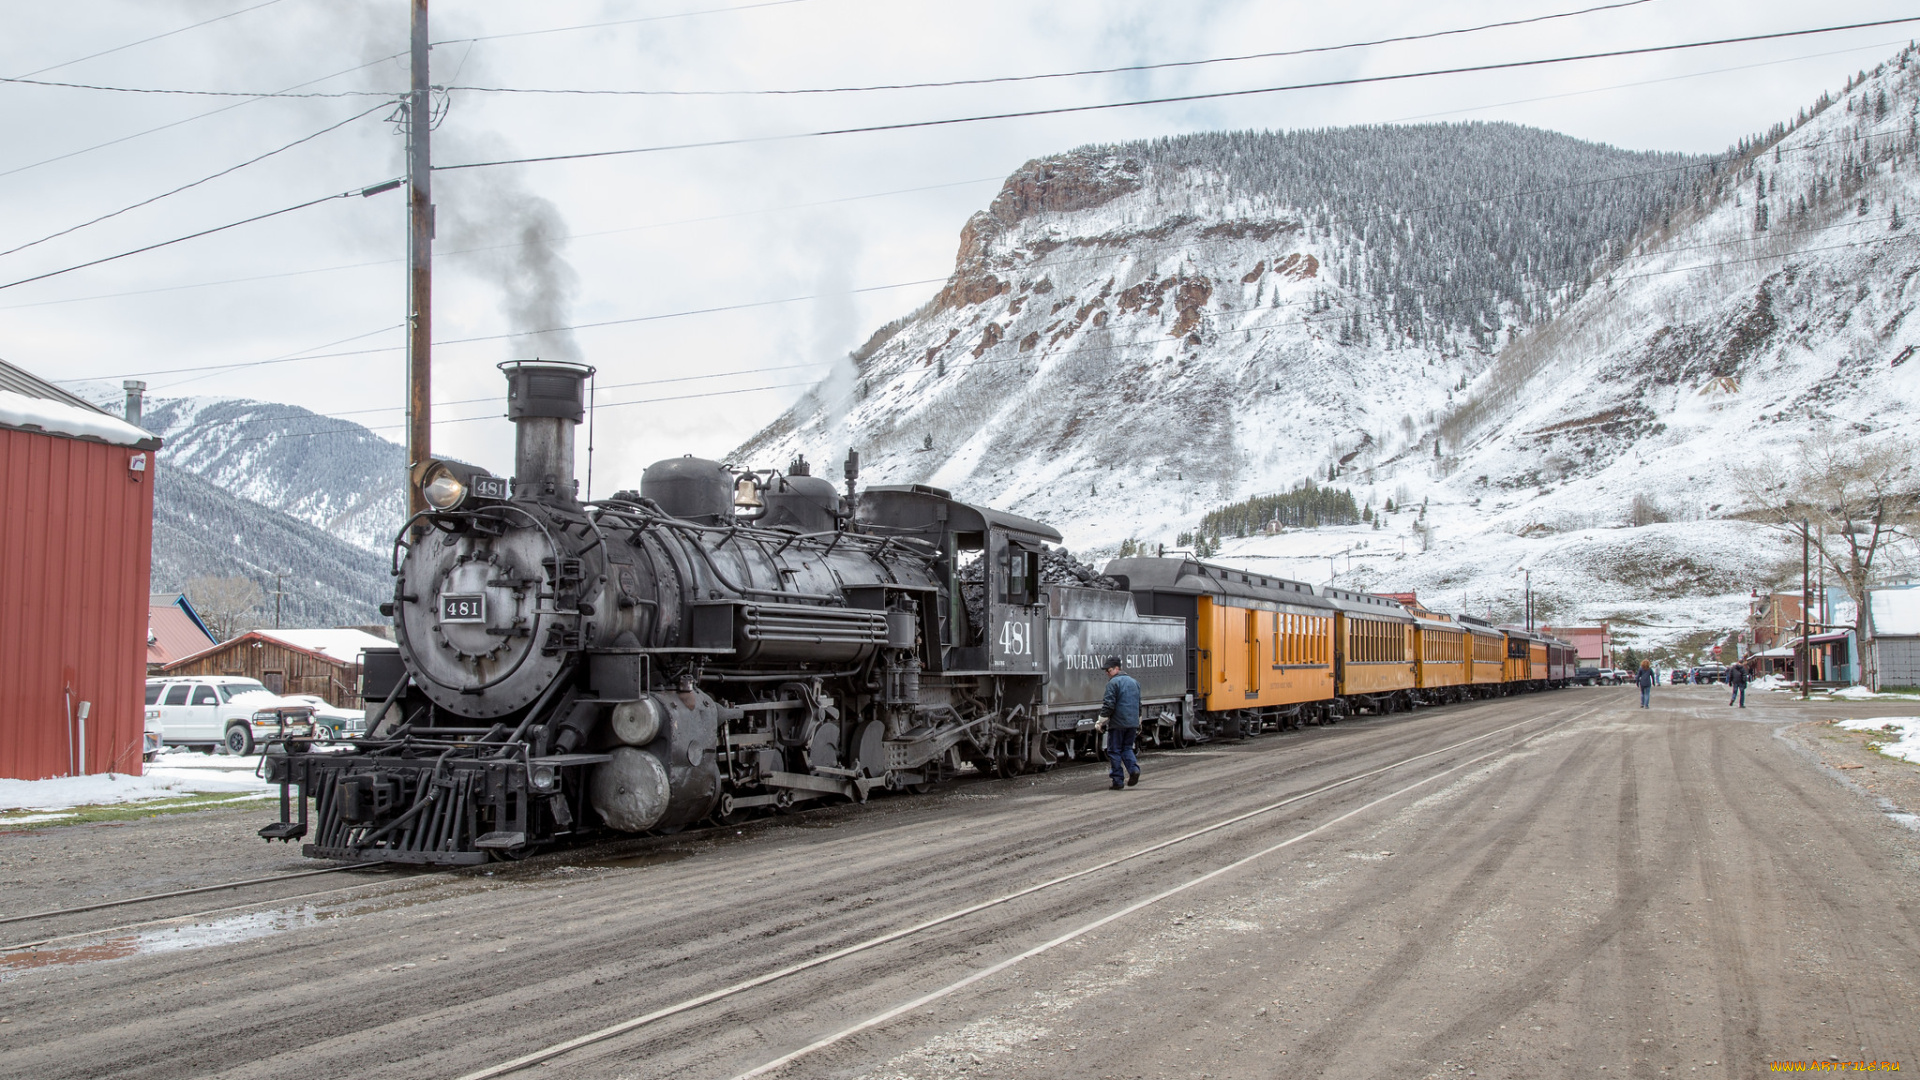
1086	928
625	1026
51	912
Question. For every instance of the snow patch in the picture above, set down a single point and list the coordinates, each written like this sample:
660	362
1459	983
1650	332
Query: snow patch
1901	734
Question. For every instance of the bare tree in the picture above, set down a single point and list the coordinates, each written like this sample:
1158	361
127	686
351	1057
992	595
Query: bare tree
224	602
1854	499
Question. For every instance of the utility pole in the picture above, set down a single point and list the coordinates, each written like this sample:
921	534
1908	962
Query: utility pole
278	577
1806	615
419	265
1528	595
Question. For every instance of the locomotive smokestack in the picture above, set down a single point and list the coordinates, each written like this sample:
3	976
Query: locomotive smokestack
545	403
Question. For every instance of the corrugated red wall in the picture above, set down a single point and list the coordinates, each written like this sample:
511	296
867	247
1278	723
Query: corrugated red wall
76	553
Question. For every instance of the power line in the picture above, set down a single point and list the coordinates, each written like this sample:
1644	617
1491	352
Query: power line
142	41
166	91
624	22
203	232
984	81
544	242
185	120
1067	74
196	183
1507	65
1349	220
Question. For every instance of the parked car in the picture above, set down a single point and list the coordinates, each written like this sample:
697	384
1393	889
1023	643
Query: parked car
1589	676
1711	673
201	711
330	721
1679	676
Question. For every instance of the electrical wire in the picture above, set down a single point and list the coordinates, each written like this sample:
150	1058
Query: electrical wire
1130	68
196	183
1351	221
544	242
166	91
193	236
189	119
1358	80
624	22
142	41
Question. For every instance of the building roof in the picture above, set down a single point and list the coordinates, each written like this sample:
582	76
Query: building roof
340	646
1896	612
173	634
30	403
335	646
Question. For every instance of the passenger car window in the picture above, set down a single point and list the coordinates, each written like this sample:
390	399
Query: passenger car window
153	692
177	694
203	695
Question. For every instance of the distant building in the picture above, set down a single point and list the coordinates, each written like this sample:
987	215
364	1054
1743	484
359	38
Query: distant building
322	662
1774	618
1896	634
76	549
174	631
1595	643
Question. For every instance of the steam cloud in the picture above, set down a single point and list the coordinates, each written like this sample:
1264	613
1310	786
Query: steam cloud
521	237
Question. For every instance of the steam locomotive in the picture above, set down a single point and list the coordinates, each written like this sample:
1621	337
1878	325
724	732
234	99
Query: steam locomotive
724	643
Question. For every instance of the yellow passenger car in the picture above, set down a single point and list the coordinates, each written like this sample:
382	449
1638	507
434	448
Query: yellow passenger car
1374	667
1442	651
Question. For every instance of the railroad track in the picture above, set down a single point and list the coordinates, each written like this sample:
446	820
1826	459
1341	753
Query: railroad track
1541	724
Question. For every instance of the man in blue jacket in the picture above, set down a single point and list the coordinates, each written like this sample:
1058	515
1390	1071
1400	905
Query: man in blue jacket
1120	719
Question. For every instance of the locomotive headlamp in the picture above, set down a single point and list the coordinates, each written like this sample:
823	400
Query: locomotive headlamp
543	778
443	490
447	485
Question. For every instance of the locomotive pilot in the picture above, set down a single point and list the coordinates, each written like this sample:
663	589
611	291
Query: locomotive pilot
1120	719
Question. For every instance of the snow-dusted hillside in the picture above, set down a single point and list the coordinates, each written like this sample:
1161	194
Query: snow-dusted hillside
1133	334
332	474
1136	335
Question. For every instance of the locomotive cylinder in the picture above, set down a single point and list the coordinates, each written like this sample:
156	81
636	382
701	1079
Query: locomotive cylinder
545	403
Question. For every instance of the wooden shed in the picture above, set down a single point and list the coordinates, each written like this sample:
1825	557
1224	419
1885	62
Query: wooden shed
321	662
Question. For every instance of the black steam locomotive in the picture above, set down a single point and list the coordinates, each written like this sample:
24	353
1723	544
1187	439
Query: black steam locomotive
713	645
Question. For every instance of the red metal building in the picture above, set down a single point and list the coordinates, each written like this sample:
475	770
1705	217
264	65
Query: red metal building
76	550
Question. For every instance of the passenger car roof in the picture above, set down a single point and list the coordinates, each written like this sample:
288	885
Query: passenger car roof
915	508
1195	578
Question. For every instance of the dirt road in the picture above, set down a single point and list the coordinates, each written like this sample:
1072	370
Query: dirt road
1583	889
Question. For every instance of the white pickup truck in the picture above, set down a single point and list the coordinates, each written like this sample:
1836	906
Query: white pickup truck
209	711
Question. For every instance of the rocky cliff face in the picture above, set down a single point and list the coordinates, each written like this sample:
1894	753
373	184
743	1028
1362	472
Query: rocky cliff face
1553	353
1134	333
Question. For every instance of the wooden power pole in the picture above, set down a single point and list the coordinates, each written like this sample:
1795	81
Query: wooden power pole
419	265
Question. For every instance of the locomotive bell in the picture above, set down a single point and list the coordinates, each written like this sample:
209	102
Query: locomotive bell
545	403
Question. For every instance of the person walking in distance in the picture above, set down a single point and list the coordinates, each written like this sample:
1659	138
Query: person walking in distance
1737	680
1644	680
1120	720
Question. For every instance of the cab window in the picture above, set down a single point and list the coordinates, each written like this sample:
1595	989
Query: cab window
177	694
154	690
204	695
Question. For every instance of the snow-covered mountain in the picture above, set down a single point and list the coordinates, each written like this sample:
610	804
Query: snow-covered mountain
332	474
1535	343
248	488
1135	333
202	530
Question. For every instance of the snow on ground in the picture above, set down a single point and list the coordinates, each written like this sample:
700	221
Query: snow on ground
1902	734
175	774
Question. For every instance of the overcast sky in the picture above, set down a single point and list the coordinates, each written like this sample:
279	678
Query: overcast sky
660	233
